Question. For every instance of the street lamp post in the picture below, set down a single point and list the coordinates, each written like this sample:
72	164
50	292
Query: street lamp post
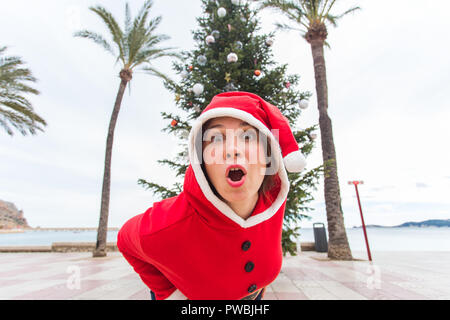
355	183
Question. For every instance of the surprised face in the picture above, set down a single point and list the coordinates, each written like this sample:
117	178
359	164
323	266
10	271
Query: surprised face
234	157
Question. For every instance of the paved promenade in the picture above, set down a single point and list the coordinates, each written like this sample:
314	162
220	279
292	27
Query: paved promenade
310	275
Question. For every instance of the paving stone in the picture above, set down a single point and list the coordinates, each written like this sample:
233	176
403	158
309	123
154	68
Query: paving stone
309	275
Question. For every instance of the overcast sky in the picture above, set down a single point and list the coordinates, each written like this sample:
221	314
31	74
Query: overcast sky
388	78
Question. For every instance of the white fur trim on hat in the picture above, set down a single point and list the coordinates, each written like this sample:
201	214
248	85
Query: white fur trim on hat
294	161
204	185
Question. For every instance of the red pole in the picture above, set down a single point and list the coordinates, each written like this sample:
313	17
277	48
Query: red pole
362	219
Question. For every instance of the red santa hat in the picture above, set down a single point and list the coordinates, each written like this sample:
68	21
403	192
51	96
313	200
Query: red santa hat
268	120
254	110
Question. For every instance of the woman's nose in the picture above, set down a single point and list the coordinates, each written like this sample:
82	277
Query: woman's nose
232	149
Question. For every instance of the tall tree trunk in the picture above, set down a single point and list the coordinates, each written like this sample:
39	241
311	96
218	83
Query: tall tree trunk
100	247
338	247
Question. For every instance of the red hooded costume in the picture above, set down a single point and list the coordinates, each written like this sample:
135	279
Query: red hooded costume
194	245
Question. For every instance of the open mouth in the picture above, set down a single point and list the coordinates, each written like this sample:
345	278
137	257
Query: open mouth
236	175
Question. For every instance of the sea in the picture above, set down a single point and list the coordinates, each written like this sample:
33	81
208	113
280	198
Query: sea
380	239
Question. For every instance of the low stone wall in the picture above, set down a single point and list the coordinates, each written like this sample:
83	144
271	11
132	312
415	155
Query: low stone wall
26	249
307	246
89	247
80	246
60	247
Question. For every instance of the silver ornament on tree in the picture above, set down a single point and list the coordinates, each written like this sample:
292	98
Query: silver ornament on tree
184	74
201	60
198	89
303	104
232	57
230	87
269	42
221	12
216	34
236	2
313	136
239	45
210	39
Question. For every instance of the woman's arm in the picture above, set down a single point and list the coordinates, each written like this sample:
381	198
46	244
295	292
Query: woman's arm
129	245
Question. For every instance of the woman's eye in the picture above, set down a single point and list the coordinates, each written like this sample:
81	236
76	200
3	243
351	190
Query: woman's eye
249	135
216	138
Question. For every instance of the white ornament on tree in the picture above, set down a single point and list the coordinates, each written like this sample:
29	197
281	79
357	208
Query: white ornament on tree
303	104
269	42
216	34
184	74
313	136
201	60
232	57
210	39
221	12
198	89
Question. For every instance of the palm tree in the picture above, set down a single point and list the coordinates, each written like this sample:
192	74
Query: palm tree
15	109
311	18
134	46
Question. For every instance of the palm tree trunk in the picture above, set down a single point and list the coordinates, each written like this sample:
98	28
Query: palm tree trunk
338	247
100	247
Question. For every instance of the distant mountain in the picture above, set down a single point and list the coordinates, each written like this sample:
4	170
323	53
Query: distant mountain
426	223
11	217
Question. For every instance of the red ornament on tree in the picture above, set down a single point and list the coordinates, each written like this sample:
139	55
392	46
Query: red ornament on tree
287	84
190	68
257	73
174	123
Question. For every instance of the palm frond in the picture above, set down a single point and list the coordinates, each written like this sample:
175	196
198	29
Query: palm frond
141	37
5	126
97	38
286	27
154	40
152	71
137	43
20	87
294	12
127	19
113	27
27	120
19	112
305	12
347	12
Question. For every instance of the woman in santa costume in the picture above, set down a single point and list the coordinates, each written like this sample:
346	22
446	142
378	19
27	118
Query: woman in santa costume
220	238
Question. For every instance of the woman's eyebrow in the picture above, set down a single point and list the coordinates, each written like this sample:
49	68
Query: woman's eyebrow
242	124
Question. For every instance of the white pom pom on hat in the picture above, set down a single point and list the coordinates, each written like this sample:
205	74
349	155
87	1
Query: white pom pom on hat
294	161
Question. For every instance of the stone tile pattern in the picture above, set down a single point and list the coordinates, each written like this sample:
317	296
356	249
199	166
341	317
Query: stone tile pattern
308	276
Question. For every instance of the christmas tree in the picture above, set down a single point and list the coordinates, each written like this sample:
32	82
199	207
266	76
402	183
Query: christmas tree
231	56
